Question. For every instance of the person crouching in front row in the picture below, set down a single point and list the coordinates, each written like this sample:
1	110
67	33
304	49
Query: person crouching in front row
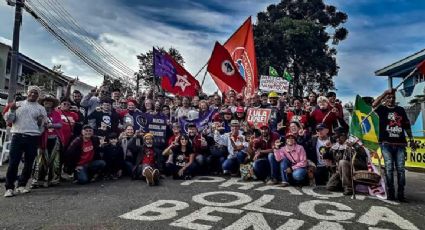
181	162
113	155
83	156
146	166
292	159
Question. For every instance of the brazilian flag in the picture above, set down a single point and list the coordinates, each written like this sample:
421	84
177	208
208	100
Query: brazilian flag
368	131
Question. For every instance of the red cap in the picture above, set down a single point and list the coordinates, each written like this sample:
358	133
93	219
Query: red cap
240	109
263	126
132	100
217	118
289	134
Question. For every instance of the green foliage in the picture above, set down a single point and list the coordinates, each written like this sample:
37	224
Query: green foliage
145	73
300	36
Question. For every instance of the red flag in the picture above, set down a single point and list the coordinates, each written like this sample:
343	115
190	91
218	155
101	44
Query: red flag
185	85
421	67
222	67
241	48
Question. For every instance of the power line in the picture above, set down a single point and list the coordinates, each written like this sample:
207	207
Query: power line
45	17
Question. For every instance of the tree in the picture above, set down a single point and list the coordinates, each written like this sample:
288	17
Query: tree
300	36
145	73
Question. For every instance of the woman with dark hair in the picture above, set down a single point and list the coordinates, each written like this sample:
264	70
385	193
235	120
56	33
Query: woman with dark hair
181	162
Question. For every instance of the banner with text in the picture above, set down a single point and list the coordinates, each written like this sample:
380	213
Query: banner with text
277	84
258	117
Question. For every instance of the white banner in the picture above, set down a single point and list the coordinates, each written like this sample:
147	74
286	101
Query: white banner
277	84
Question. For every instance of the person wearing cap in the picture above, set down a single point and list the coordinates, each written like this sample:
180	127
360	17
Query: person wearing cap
265	166
146	164
47	165
70	120
113	155
236	148
339	159
275	115
227	118
83	156
316	148
106	119
292	159
324	114
240	114
27	119
133	115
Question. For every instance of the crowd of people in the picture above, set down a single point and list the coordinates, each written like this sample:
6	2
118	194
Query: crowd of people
108	135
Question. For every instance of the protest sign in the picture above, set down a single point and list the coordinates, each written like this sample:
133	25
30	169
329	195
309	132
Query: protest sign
277	84
258	117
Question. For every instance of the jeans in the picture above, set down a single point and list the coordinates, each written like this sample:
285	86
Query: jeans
262	168
83	176
216	159
274	167
232	164
394	155
298	175
173	170
21	143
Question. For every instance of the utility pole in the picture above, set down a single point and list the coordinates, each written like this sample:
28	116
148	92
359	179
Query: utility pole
15	51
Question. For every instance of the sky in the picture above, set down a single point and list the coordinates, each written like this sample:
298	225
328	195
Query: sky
380	33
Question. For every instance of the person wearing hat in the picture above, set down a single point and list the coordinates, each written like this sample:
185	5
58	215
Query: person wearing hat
133	115
27	118
236	147
265	166
292	159
70	122
339	159
240	114
276	113
83	156
105	120
47	163
146	164
316	148
227	118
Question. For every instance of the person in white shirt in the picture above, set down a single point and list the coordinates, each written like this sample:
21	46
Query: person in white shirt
27	118
236	147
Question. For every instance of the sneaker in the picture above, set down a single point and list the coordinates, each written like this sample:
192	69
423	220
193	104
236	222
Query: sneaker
272	182
156	176
22	190
283	184
9	193
149	176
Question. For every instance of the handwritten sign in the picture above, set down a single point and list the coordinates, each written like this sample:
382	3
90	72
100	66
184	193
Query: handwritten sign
276	84
258	117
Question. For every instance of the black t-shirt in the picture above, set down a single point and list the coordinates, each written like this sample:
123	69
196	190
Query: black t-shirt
392	124
180	158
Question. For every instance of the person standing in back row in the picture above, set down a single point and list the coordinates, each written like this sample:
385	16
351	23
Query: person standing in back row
26	117
393	124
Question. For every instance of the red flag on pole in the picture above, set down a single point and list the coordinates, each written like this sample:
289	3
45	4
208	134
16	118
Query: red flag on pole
421	67
185	84
223	69
241	48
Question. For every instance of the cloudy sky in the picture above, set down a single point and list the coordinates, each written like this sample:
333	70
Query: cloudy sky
380	33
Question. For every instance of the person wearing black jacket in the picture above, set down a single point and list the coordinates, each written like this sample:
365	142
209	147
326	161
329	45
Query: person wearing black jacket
83	156
113	155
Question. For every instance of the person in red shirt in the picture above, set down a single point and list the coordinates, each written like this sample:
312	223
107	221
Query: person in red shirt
146	165
83	157
325	114
48	169
263	150
298	114
69	119
176	133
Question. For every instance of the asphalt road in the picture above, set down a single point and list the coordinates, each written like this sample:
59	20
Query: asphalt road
210	203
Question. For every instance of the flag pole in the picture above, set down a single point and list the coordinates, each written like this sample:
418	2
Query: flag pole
398	86
203	67
203	79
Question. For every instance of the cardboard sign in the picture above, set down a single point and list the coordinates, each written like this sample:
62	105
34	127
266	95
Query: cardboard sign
277	84
258	117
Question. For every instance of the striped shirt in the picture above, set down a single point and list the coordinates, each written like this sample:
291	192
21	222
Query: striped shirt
24	119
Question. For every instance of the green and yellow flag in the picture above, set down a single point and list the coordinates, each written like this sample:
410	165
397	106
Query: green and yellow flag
273	72
287	76
368	131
